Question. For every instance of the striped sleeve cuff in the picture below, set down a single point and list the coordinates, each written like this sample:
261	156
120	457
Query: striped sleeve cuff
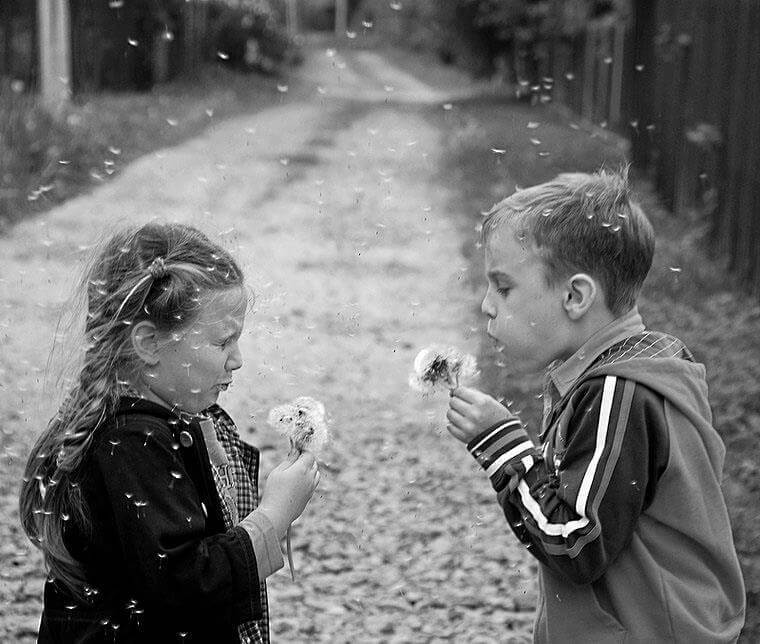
266	545
505	452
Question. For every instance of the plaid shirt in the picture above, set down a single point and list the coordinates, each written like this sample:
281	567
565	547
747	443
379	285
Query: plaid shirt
237	485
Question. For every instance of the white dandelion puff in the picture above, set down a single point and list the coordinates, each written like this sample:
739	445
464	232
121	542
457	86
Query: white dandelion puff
439	367
302	422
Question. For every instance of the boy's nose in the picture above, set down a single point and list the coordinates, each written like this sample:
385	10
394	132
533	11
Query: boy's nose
487	308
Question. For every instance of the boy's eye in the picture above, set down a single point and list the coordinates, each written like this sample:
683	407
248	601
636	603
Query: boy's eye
503	290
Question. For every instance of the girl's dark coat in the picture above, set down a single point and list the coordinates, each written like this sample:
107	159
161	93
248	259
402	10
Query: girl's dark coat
161	566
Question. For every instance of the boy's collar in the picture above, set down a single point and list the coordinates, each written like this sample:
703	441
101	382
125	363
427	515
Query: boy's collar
564	374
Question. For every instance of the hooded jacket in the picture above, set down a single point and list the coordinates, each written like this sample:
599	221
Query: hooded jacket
621	502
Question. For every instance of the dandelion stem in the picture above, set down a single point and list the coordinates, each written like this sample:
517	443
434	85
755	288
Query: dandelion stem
290	554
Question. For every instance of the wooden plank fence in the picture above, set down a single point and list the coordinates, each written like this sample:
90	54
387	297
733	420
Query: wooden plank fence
681	79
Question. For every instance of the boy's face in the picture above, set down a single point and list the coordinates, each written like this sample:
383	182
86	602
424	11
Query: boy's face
525	316
197	363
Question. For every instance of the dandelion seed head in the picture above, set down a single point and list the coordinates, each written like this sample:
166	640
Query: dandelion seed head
440	367
302	422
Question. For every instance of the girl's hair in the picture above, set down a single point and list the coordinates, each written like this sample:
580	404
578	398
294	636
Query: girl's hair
584	222
155	272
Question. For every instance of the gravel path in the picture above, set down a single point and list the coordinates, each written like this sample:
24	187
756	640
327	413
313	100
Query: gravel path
335	209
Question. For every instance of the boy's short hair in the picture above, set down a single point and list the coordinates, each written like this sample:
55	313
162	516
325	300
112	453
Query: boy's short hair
584	222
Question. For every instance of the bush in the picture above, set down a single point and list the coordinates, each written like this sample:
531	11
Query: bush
28	150
252	39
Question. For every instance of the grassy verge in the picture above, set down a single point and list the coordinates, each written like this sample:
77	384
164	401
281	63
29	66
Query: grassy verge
493	147
44	161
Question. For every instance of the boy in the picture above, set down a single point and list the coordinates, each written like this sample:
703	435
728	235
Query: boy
621	502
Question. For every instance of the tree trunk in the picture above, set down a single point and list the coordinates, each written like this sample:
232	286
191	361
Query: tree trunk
53	20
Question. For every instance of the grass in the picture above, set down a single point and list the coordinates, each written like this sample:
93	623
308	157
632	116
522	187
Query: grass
491	148
45	161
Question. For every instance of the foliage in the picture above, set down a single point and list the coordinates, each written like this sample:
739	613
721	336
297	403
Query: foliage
252	37
46	160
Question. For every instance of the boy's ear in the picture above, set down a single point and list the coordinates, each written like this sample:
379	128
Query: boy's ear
145	342
580	293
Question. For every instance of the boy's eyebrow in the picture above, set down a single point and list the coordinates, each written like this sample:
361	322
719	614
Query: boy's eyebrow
498	275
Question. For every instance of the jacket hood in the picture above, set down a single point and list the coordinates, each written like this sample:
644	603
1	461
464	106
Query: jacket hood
663	364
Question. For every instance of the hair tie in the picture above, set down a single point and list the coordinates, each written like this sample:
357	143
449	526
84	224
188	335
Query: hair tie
157	269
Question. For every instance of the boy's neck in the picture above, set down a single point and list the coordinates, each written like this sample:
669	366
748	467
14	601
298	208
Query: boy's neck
595	340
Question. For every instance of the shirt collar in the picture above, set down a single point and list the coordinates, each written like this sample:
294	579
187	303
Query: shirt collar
564	374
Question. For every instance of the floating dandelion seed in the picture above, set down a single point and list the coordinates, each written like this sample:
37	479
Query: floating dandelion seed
282	88
223	55
351	35
498	151
447	106
133	42
367	24
438	367
302	422
172	122
396	6
532	125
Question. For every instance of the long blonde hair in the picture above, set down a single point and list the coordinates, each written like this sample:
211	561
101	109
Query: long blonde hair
154	272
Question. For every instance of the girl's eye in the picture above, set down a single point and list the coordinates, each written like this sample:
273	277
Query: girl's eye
503	291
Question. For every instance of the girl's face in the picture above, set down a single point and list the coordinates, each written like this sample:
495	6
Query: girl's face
196	363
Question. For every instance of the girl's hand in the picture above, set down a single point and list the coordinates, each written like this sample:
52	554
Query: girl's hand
471	412
289	487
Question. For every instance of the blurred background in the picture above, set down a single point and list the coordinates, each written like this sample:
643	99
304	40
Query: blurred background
497	94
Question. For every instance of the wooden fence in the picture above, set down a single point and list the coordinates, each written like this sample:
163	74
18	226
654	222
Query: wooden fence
681	79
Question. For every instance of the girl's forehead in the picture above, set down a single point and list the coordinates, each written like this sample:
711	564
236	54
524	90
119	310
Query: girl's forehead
227	307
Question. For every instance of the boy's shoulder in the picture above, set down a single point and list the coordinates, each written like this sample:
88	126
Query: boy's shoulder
647	345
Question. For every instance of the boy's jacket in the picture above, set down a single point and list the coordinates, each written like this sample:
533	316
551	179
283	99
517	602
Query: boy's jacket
622	503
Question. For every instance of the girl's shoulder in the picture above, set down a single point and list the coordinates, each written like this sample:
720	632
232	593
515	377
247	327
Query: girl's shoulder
136	419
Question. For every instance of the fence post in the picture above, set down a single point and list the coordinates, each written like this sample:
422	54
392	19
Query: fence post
587	106
618	59
291	17
341	18
54	29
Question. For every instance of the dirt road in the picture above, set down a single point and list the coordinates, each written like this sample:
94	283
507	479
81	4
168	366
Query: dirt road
333	206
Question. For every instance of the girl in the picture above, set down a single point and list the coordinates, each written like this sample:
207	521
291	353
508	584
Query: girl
140	492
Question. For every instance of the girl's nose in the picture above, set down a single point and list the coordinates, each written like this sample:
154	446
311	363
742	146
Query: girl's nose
234	359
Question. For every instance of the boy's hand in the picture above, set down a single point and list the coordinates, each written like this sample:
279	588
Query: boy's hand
471	412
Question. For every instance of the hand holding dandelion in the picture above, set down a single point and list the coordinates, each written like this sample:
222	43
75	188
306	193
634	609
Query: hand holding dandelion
438	367
303	423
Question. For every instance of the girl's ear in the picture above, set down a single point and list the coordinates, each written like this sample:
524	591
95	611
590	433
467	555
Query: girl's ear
580	293
145	342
